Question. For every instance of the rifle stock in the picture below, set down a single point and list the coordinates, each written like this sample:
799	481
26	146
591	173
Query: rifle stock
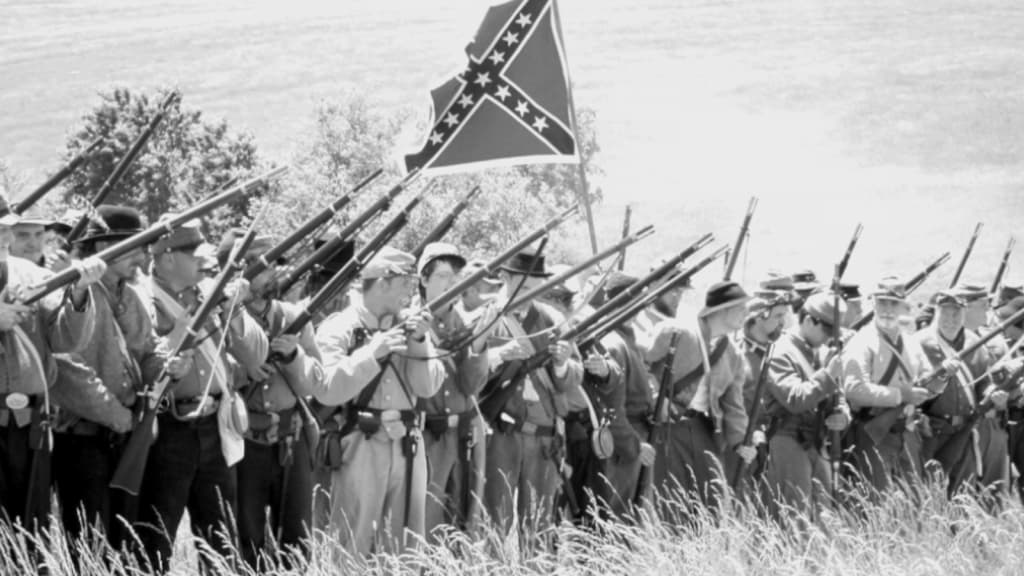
755	412
124	163
57	178
657	418
132	466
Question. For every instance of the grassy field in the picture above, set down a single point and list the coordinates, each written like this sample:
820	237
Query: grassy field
903	115
909	533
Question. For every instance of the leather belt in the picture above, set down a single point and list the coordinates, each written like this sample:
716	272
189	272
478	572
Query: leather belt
441	423
508	424
953	420
183	408
21	416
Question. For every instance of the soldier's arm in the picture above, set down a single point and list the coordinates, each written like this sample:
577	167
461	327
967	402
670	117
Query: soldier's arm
734	411
785	384
304	371
140	335
69	327
247	342
79	390
857	384
345	375
472	364
424	373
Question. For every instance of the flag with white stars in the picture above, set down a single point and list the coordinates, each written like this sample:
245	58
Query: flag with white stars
510	105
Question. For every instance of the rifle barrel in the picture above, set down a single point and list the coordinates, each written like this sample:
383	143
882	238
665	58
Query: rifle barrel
967	255
740	239
57	178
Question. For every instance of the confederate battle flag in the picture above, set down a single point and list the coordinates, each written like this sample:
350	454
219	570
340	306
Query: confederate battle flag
511	105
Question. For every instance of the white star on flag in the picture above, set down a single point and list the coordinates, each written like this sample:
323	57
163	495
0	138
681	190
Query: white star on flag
511	38
465	100
522	108
483	79
497	57
540	123
435	138
523	20
451	120
502	92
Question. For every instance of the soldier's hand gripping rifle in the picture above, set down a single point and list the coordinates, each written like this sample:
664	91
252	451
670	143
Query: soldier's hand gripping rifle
734	254
149	235
935	381
998	280
314	223
445	225
124	164
83	155
912	285
132	466
967	256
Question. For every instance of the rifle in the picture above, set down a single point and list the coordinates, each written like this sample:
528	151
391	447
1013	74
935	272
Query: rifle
446	223
935	380
625	232
124	163
734	256
149	235
560	278
998	281
318	220
912	285
841	269
455	291
966	256
629	310
37	194
132	465
660	408
835	446
755	411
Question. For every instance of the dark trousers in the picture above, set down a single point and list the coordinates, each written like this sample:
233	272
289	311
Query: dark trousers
689	460
186	470
1015	429
270	477
587	469
82	468
15	467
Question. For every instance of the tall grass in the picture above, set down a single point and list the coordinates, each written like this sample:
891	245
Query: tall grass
909	531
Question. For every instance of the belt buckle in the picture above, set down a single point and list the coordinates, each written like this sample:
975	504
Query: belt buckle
956	420
16	401
389	415
453	421
529	428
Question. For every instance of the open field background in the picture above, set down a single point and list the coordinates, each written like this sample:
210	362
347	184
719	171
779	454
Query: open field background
904	115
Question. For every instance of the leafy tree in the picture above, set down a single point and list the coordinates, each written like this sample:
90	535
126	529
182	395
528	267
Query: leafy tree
187	159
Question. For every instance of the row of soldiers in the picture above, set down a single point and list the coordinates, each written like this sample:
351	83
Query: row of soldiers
437	420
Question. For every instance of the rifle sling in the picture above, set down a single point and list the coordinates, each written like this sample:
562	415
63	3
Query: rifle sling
697	373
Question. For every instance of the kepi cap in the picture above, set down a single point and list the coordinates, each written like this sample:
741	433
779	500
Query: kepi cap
187	236
389	262
436	250
822	307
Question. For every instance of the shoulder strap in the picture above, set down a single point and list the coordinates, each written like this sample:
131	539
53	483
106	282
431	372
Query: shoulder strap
698	372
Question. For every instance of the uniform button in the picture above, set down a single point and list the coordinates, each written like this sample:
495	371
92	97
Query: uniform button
267	405
447	392
202	372
266	386
387	398
448	410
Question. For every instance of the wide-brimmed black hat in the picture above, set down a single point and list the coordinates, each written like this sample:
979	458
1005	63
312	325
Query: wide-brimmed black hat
526	264
112	223
724	295
336	261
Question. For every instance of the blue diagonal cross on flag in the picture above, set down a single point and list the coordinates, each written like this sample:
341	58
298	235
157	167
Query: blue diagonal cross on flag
511	104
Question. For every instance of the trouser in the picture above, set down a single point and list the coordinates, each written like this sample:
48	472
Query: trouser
622	477
521	477
83	465
993	442
186	470
587	482
897	456
1016	446
275	477
449	500
690	459
368	493
796	475
960	467
15	467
